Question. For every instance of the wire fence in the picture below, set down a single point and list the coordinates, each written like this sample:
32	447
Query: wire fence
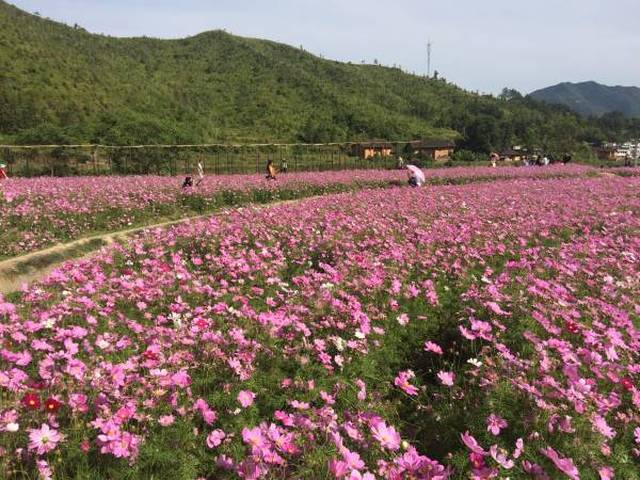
67	160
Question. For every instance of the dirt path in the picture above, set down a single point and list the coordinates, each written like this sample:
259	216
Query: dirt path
16	271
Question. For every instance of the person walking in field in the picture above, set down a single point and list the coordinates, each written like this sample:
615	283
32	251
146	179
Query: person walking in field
3	172
494	159
200	174
285	166
271	170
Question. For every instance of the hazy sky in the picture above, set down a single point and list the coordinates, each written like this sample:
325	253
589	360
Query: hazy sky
481	45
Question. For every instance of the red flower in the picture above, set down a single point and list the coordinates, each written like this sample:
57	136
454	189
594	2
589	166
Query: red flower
149	355
31	401
201	323
51	405
627	383
572	327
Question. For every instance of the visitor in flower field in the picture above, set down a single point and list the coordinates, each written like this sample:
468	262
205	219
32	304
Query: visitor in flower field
188	182
200	174
285	166
271	170
3	172
416	176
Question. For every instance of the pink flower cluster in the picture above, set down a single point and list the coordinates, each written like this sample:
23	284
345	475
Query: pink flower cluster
37	212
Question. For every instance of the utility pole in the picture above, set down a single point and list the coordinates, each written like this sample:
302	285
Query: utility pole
429	58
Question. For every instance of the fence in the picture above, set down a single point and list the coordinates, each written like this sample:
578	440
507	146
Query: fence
63	160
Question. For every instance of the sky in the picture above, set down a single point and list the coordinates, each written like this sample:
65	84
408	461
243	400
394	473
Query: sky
481	45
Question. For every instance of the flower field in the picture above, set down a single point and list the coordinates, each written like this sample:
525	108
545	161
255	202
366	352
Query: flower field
39	212
484	330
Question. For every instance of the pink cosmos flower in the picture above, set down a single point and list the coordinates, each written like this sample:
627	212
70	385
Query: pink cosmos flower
471	443
606	473
245	398
215	438
403	319
501	457
166	420
600	425
339	468
636	433
44	439
495	424
447	378
253	437
362	390
402	382
356	475
387	436
433	348
45	471
565	465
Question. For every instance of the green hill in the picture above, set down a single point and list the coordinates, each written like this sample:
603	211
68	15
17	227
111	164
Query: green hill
61	84
592	99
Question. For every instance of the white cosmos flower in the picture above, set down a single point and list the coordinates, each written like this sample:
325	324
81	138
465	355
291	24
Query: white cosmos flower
12	427
475	362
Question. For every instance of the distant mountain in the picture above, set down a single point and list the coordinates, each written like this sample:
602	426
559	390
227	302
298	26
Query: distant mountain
592	99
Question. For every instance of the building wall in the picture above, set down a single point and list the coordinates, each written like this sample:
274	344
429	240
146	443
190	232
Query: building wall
372	152
441	153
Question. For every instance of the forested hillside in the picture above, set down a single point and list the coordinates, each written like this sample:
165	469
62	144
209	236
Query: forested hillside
62	84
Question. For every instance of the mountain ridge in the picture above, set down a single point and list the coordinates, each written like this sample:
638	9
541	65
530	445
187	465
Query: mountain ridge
591	98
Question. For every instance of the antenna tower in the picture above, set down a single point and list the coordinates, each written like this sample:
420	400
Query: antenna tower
429	58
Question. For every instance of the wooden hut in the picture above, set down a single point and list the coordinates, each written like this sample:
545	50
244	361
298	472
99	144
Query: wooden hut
372	148
434	149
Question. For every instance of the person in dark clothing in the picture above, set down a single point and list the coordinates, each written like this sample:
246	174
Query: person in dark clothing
188	182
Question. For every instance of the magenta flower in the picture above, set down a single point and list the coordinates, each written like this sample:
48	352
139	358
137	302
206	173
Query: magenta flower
44	439
245	398
565	465
495	424
471	443
402	382
446	378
